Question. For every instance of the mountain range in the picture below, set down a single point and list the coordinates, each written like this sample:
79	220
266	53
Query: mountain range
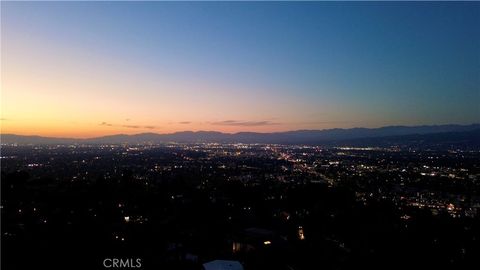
469	134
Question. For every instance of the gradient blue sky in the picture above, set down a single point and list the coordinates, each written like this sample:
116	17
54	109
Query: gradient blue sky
93	68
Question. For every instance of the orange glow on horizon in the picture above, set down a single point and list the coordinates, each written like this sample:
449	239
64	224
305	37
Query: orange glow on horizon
68	93
75	130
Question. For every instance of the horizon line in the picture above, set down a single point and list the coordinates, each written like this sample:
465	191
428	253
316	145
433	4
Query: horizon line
234	133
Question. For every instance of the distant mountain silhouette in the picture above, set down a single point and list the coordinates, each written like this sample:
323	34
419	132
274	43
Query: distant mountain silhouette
327	136
452	140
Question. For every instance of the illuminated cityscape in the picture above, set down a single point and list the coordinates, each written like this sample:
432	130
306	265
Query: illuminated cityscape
266	205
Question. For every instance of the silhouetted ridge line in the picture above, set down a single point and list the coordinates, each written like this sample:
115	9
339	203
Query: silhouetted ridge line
327	136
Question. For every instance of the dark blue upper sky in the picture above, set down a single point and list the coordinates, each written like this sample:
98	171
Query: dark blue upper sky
339	64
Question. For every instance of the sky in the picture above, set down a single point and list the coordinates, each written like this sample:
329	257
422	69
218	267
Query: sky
85	69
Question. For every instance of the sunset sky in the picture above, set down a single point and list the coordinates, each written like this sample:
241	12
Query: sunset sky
88	69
